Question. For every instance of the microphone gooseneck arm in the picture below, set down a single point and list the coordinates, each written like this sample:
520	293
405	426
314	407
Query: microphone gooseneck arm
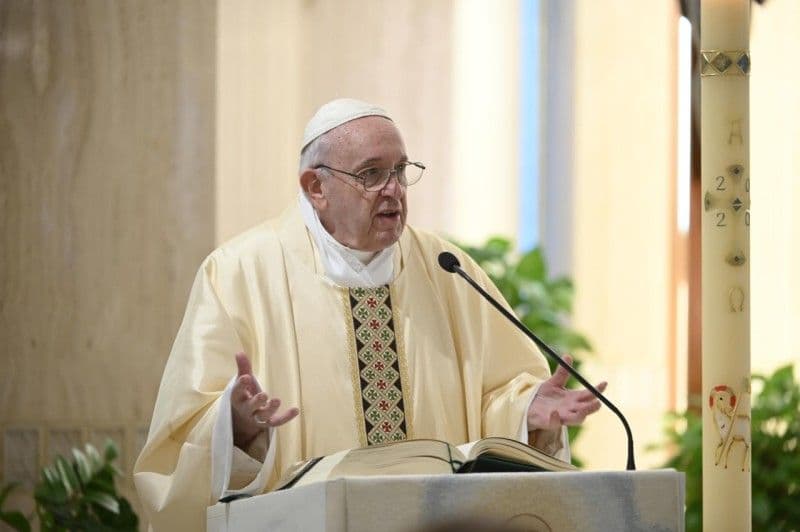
450	263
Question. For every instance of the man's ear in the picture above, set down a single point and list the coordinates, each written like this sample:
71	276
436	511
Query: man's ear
312	186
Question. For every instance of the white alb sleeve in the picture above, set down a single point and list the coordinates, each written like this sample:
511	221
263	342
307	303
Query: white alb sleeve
228	462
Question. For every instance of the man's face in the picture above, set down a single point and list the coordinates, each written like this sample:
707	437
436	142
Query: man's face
367	221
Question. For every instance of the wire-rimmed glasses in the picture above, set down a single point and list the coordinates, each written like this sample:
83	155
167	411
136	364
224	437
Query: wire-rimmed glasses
374	179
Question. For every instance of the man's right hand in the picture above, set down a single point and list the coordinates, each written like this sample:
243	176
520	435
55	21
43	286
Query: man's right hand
252	409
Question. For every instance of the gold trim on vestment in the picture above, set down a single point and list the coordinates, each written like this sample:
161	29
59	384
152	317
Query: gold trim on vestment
358	408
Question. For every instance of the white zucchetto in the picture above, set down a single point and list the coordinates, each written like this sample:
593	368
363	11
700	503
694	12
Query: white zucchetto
337	112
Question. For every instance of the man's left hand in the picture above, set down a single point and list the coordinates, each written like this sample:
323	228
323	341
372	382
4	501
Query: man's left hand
555	405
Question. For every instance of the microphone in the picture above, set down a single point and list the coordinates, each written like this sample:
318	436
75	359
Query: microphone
449	263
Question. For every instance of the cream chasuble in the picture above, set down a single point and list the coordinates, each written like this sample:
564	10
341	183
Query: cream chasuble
423	357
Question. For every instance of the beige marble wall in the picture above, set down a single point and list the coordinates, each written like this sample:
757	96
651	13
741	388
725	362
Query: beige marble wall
484	189
259	120
106	198
775	158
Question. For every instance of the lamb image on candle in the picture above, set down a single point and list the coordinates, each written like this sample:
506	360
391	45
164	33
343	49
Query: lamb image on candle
732	419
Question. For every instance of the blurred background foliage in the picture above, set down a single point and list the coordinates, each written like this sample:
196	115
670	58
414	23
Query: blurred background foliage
542	303
775	457
77	494
14	519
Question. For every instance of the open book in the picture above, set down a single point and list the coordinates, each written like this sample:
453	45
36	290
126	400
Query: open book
424	457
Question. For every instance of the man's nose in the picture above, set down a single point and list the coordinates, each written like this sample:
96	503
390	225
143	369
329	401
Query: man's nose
392	188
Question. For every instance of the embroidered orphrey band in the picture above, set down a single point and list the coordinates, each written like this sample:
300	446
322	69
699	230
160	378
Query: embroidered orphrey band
378	365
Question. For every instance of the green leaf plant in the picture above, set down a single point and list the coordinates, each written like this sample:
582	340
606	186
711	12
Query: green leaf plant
14	519
775	454
78	494
542	303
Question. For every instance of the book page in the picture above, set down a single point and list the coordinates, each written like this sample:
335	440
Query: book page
466	448
426	457
316	473
410	457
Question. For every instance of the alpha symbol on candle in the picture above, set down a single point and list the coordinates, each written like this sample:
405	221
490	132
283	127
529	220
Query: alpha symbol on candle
736	131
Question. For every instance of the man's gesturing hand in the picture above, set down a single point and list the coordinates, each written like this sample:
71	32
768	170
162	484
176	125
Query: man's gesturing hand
554	405
251	408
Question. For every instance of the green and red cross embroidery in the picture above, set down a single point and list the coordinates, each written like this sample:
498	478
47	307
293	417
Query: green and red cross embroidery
378	365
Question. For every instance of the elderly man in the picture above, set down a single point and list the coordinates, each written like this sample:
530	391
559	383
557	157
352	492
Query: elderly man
337	314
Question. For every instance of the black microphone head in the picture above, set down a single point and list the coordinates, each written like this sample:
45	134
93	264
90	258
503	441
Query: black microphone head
448	261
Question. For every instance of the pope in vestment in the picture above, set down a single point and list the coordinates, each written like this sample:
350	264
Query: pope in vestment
333	327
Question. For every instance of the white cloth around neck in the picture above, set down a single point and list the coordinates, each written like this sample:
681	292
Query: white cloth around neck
345	266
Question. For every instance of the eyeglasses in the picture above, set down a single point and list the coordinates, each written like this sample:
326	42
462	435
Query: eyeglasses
374	179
